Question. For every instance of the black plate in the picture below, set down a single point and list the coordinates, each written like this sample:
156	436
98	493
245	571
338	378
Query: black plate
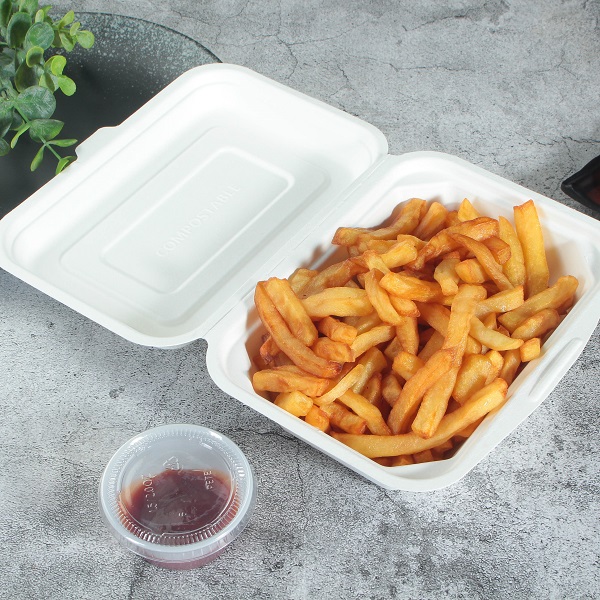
130	62
584	186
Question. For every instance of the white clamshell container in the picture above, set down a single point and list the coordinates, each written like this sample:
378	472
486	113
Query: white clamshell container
161	229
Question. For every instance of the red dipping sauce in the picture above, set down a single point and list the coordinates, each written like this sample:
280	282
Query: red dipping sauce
177	501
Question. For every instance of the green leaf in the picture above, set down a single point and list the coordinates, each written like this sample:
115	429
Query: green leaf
66	41
56	64
67	19
24	127
28	6
66	84
63	143
4	147
37	159
40	34
6	116
36	103
25	77
74	27
63	163
43	130
17	29
47	81
85	38
5	12
35	56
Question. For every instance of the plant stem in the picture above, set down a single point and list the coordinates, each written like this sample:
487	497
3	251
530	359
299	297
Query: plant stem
44	142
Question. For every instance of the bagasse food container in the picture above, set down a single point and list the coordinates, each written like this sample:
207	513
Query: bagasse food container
162	228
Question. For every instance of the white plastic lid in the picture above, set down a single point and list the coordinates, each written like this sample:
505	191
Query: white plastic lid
177	495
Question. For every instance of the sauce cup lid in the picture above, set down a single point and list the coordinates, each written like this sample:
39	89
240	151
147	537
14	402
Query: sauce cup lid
177	495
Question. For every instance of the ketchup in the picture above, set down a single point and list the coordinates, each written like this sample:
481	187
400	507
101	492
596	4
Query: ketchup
177	501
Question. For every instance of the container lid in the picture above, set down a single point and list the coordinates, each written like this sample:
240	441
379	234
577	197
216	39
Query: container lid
177	494
158	227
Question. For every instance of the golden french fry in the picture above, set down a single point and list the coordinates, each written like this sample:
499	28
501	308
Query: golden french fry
442	242
380	299
433	344
339	302
373	337
411	288
337	389
434	404
445	274
472	377
487	399
401	253
486	259
530	349
497	362
372	392
289	344
514	267
344	419
553	297
364	409
336	275
330	350
291	309
300	278
407	333
432	222
404	307
365	323
372	261
404	410
401	461
466	211
279	379
512	362
423	457
317	418
501	302
529	232
498	247
268	350
491	338
336	330
537	325
471	271
406	365
295	402
373	361
462	310
390	389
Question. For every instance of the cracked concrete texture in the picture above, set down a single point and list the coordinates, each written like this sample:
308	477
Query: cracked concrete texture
510	86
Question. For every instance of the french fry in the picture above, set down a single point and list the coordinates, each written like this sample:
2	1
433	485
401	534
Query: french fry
337	330
295	402
498	247
530	349
401	253
365	323
268	350
330	350
364	409
411	288
514	267
337	389
373	361
432	222
512	362
407	333
471	271
373	337
290	308
490	337
529	232
423	457
390	389
472	377
537	325
501	302
406	365
404	410
486	259
497	362
380	299
489	398
445	274
466	211
404	307
435	343
288	343
336	275
434	404
339	302
345	420
317	418
401	461
280	379
553	297
300	278
373	261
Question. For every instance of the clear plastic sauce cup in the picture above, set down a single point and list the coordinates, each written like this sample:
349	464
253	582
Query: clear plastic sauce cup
177	495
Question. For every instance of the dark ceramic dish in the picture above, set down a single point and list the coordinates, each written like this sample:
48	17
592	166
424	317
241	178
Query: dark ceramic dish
131	61
584	186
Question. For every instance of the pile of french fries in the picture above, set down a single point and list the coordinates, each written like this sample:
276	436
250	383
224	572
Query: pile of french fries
401	350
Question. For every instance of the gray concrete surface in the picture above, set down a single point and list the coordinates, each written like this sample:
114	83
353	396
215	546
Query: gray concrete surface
511	86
